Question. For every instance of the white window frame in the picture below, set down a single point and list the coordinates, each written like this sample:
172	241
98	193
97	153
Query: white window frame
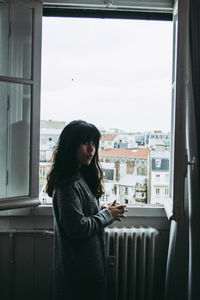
174	206
32	199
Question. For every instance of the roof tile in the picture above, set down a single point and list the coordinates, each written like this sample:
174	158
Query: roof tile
108	137
138	153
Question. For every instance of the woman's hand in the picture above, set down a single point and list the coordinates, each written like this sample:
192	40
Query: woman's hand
105	205
117	210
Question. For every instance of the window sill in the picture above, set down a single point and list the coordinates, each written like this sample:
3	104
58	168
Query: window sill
42	217
17	203
46	210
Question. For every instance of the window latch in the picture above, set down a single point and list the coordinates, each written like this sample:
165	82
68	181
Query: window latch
192	163
188	163
108	3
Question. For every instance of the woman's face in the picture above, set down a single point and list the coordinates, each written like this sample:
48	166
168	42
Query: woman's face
85	153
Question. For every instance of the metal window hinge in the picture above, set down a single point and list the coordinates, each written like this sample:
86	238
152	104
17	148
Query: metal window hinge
8	102
6	177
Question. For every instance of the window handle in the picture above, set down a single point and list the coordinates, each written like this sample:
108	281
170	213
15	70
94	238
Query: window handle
108	3
192	163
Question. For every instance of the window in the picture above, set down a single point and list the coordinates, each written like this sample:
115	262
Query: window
114	86
24	76
157	177
158	163
109	174
126	190
20	49
157	191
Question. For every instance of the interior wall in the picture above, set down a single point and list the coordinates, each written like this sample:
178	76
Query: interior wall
26	252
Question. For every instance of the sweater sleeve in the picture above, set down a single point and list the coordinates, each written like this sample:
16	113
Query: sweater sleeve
75	224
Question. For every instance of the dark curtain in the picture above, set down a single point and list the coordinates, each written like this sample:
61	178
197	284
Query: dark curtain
176	287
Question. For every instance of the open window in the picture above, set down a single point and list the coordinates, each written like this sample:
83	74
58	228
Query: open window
20	51
114	72
20	86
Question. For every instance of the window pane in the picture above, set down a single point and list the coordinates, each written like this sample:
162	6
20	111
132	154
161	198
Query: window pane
4	32
3	138
20	41
19	140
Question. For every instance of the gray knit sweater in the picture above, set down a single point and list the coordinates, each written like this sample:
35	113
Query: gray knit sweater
80	267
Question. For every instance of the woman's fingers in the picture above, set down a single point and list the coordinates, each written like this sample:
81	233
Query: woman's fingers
117	211
122	216
112	203
122	207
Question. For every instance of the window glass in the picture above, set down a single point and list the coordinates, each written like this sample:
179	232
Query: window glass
166	191
20	41
4	32
157	191
18	155
3	138
158	163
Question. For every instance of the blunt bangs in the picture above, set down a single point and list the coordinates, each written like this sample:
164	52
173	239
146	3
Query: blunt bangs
90	134
86	132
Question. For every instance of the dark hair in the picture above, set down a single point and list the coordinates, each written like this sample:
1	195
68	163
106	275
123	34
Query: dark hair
64	161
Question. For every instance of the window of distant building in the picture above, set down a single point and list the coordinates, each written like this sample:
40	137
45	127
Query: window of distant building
157	191
157	177
166	191
108	174
158	163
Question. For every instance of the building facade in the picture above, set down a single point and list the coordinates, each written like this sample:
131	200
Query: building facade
159	176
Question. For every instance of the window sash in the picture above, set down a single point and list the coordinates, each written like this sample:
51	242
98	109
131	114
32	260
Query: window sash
175	205
31	77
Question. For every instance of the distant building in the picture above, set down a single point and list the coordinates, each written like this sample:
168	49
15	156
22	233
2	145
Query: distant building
132	189
134	161
140	139
157	138
49	134
107	141
120	165
44	198
159	176
125	141
141	193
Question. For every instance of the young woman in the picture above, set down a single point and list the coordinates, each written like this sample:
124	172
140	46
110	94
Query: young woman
75	183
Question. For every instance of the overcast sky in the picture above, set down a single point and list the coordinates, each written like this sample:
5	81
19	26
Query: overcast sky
113	73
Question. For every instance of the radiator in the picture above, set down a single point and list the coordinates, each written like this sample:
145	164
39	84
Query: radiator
130	253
